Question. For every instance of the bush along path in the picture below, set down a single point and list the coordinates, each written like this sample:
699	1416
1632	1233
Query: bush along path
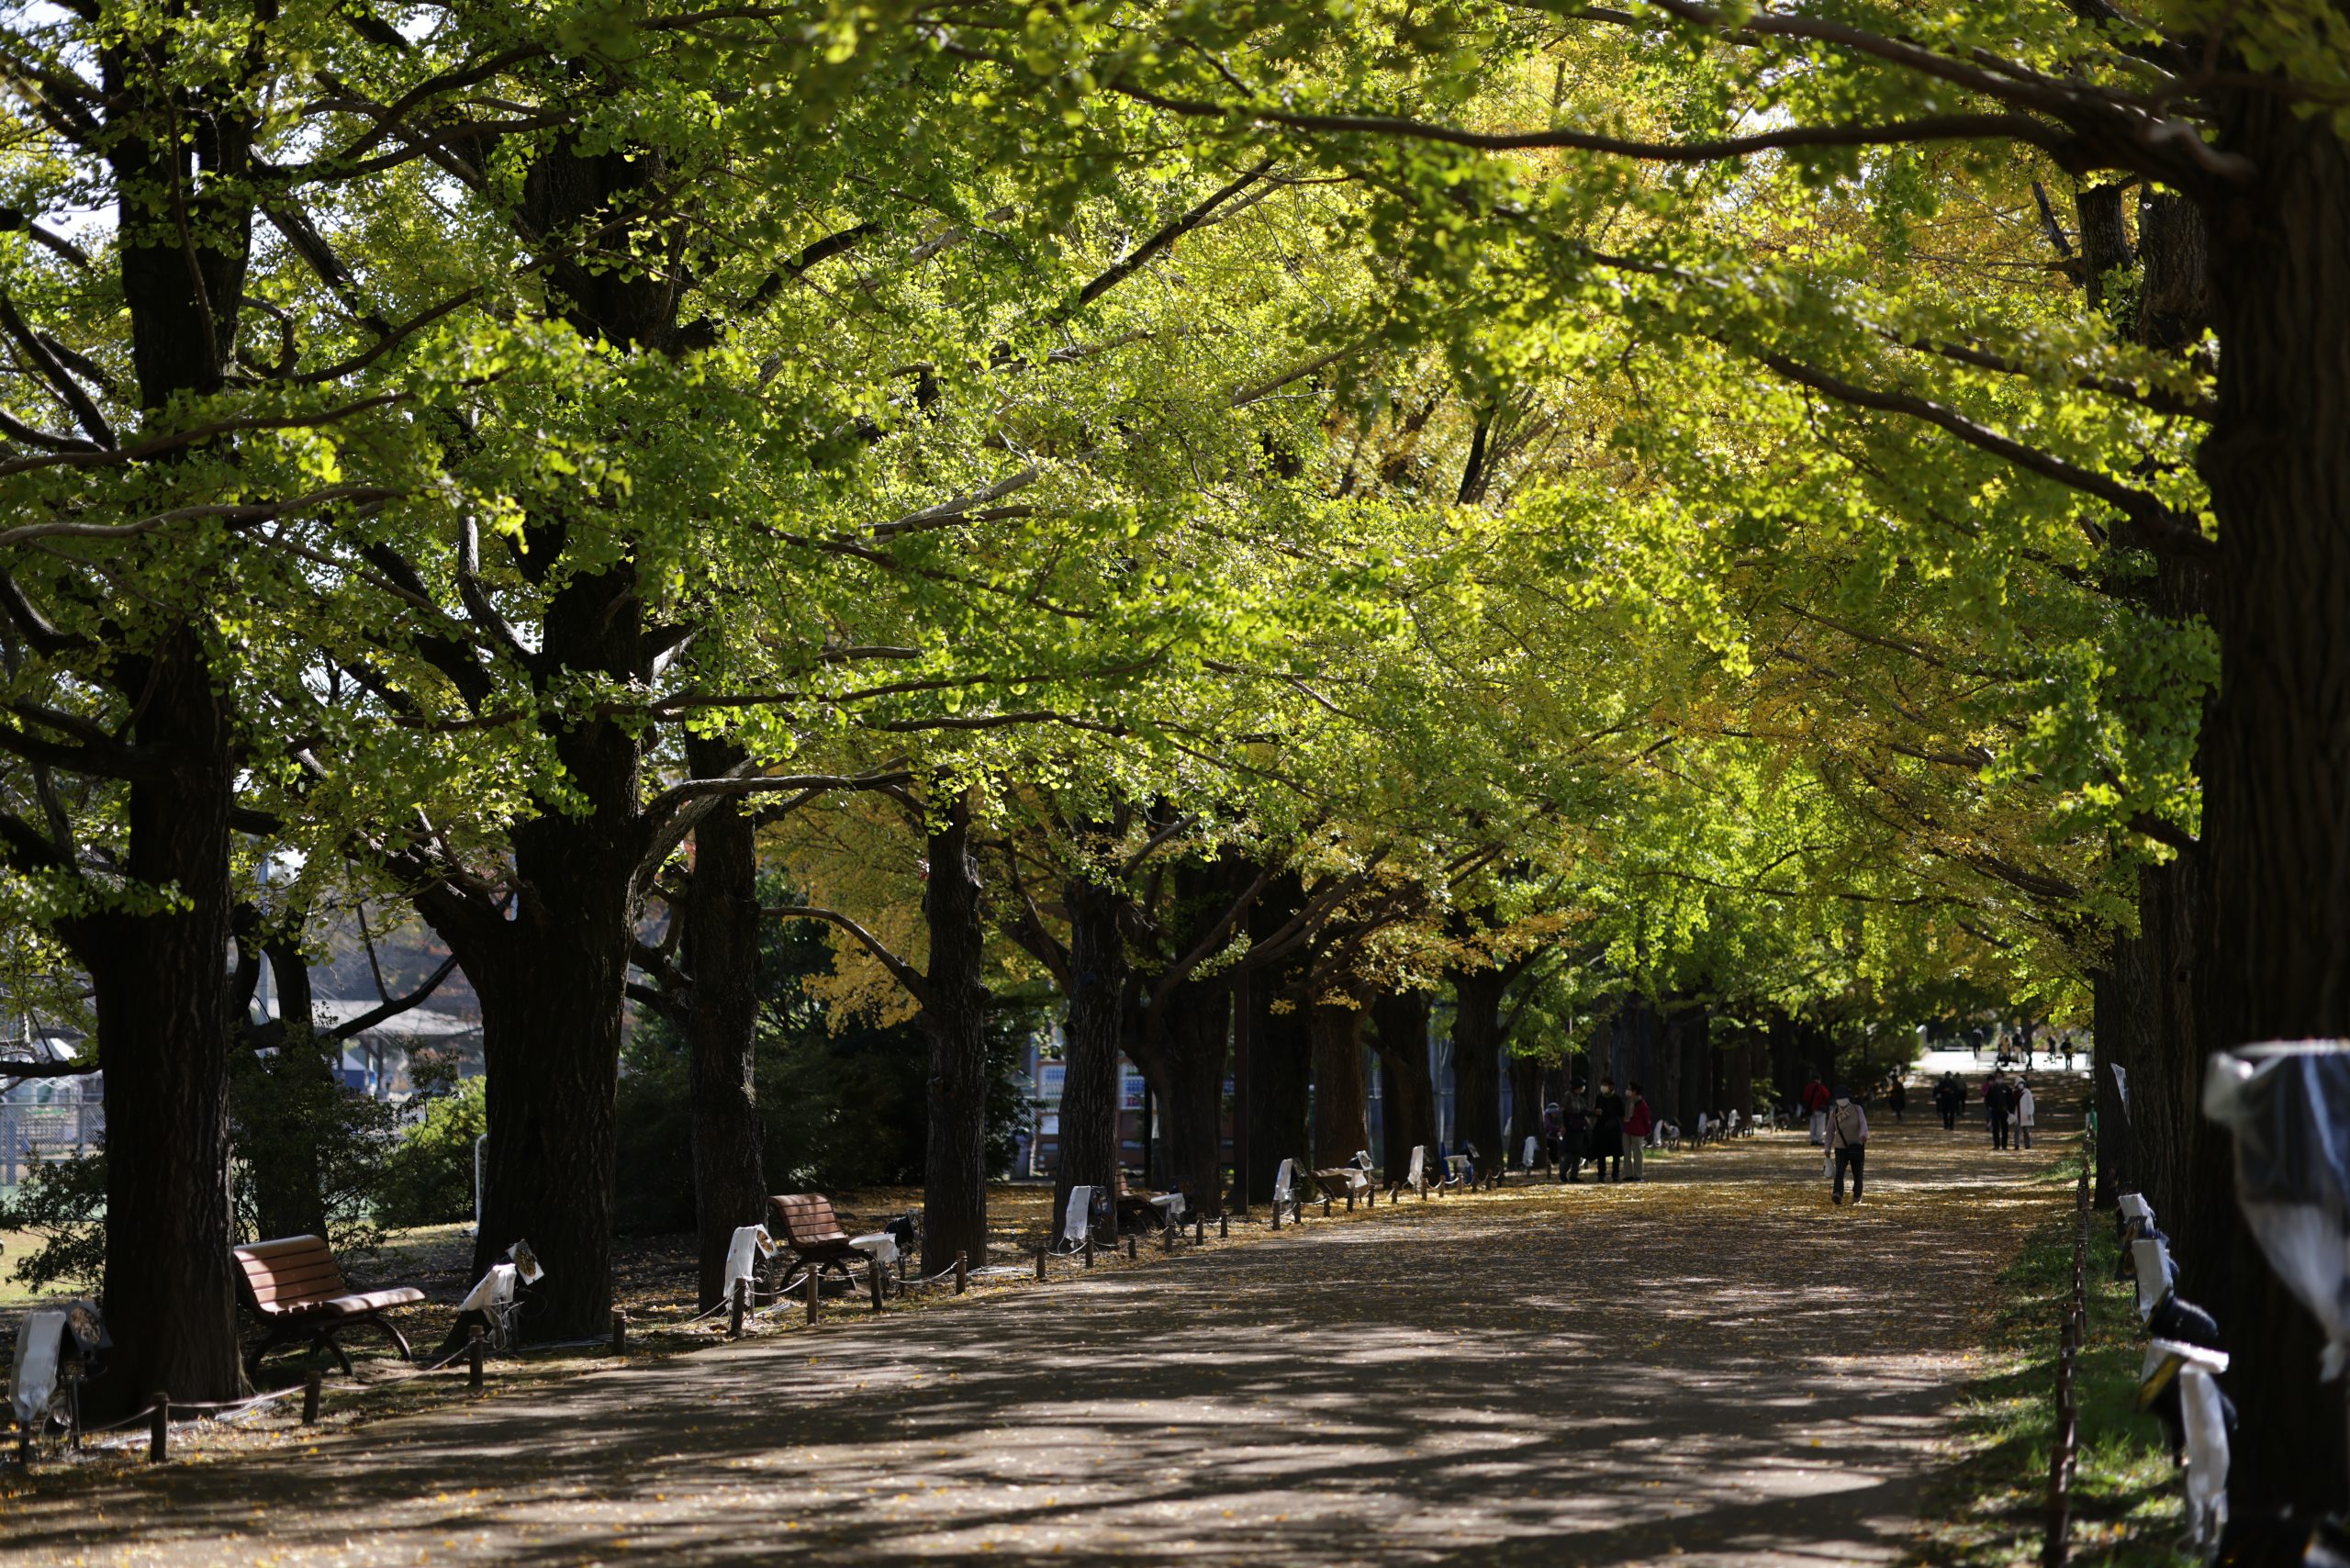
1713	1365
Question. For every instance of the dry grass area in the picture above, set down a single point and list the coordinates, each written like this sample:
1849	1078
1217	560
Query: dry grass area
1713	1366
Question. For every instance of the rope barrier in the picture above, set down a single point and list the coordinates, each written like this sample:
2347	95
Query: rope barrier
2064	1454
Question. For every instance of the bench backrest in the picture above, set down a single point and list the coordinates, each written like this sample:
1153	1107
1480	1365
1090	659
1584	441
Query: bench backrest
291	1271
807	1218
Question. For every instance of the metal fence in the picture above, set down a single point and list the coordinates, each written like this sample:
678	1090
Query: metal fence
34	1135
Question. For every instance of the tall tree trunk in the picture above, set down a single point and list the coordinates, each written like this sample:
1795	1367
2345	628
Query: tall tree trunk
160	984
1476	1058
551	980
1091	1082
1187	1051
721	953
1341	1088
1399	1033
2113	1176
1525	1102
1280	1048
2276	750
287	1179
1738	1057
955	1174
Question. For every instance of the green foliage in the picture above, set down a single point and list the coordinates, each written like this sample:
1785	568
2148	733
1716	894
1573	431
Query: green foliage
309	1150
428	1177
63	1203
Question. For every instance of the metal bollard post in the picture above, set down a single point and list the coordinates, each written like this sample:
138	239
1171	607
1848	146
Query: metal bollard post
734	1312
24	1448
1166	1238
473	1359
1130	1247
1350	1200
1223	1227
1040	1265
310	1399
962	1271
815	1295
159	1430
1277	1214
620	1332
873	1281
1199	1229
1089	1249
1325	1206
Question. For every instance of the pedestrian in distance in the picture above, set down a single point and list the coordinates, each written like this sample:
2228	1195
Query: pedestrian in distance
1574	1132
1639	1121
1607	1133
1848	1142
1552	1125
1999	1105
1897	1096
2026	1110
1815	1103
1950	1097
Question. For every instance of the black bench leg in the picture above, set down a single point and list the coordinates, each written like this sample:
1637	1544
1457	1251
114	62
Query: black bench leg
270	1341
324	1339
392	1328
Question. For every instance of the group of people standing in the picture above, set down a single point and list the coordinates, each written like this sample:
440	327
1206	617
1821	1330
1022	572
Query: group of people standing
1603	1130
2008	1107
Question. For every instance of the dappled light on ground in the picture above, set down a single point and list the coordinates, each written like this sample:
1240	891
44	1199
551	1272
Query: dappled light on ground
1714	1365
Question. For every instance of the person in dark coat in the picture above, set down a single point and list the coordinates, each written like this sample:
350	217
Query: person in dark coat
1999	1105
1896	1096
1574	1132
1607	1132
1950	1098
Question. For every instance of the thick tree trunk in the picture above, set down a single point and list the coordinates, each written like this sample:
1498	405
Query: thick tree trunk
1476	1058
287	1179
1280	1059
955	1174
1525	1102
2113	1176
1739	1060
721	953
1187	1051
160	983
1399	1032
2276	750
1342	1087
1091	1080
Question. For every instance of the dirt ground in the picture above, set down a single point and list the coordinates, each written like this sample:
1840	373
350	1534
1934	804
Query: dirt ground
1714	1366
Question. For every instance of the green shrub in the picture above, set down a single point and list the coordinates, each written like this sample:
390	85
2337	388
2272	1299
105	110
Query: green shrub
428	1174
63	1202
309	1151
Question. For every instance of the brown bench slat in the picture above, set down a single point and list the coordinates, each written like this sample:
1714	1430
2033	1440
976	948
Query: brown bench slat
808	1220
309	1274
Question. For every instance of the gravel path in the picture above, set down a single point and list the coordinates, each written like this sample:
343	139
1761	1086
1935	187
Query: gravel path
1713	1367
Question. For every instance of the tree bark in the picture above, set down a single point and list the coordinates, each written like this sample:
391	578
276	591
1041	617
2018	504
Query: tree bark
1399	1033
1342	1087
955	1175
1525	1102
1280	1049
720	948
2277	749
1476	1058
161	986
1191	1052
1091	1082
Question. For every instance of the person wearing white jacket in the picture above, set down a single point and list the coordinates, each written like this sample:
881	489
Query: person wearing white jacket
1848	1141
2024	1110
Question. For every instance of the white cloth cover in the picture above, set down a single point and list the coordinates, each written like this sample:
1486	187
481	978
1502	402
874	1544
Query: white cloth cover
750	1244
1358	1179
1170	1206
1077	1220
34	1377
2152	1260
1362	1158
1419	1176
1456	1168
2206	1454
495	1289
880	1246
2134	1206
1286	1182
1532	1152
2120	1085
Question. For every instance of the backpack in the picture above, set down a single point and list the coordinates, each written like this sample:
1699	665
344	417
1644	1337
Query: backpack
1847	1131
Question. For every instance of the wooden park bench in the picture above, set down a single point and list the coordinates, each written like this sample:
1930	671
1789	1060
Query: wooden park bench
805	1224
295	1287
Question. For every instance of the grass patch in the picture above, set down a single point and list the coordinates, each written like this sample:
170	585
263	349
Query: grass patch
2126	1506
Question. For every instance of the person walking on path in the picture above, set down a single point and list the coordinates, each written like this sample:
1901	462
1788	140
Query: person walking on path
1950	1099
1897	1096
1607	1133
1815	1104
2026	1110
1552	1125
1574	1132
1848	1142
1997	1106
1639	1121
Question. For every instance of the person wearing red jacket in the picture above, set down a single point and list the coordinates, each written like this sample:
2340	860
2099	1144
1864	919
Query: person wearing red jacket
1815	1102
1640	1120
